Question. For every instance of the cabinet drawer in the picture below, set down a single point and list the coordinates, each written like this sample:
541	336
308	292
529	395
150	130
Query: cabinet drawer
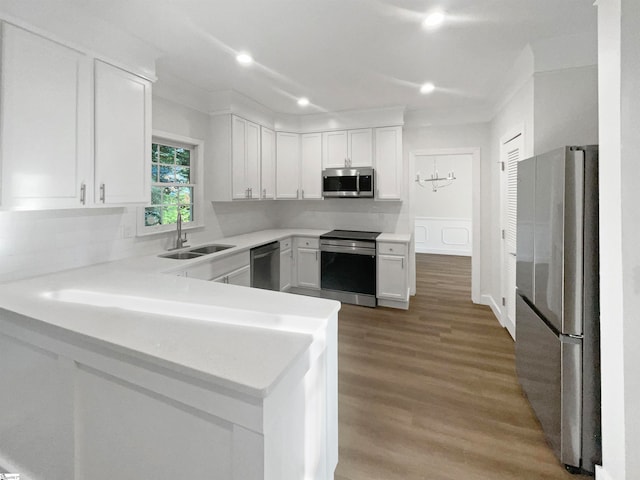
285	244
392	248
307	242
220	267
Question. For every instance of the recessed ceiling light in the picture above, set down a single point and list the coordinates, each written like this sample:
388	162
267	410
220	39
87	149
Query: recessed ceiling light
303	102
244	59
427	88
434	19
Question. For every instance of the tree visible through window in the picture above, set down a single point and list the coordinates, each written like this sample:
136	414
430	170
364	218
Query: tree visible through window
171	185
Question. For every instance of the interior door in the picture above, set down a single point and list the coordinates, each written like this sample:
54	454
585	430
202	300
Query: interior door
511	153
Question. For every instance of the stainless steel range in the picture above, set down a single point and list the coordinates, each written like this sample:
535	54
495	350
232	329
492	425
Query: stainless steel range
348	266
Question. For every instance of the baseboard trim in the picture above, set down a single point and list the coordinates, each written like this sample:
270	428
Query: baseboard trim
511	328
393	304
602	474
489	301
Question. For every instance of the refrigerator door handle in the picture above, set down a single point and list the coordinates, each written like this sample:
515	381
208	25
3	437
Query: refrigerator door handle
571	339
571	416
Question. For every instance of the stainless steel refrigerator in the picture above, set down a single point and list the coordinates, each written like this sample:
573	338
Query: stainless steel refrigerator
557	293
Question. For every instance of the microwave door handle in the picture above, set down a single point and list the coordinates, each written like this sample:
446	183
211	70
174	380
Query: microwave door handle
358	183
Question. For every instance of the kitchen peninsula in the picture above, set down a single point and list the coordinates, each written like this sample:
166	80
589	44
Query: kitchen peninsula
127	370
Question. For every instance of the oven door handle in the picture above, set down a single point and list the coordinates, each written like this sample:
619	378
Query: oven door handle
353	250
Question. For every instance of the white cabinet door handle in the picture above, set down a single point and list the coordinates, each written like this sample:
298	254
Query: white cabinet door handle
83	194
102	192
264	193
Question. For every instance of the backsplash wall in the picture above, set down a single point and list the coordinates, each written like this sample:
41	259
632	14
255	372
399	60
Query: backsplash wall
41	242
355	214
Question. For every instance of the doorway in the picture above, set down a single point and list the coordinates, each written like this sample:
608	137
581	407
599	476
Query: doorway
446	212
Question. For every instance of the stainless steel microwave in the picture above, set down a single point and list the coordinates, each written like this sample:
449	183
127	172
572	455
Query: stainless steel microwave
348	182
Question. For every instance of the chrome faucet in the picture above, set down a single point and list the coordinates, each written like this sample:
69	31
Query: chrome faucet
180	240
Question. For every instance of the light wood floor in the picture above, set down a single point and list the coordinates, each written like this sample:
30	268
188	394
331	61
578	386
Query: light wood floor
432	393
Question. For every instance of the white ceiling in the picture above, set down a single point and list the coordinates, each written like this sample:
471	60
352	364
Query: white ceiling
343	54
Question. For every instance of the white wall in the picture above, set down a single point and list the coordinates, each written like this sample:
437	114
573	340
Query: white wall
346	213
619	77
452	201
443	218
630	195
566	108
66	22
517	113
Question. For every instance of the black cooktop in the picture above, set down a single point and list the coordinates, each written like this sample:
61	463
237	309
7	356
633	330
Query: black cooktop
350	235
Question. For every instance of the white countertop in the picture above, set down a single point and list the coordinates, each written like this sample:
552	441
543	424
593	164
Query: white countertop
394	237
240	243
240	338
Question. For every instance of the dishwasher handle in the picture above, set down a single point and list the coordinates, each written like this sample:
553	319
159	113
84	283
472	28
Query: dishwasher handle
264	250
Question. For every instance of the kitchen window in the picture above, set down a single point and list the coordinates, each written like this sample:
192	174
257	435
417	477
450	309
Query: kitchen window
176	186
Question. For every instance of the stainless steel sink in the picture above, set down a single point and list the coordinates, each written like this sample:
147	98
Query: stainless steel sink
196	252
181	255
213	248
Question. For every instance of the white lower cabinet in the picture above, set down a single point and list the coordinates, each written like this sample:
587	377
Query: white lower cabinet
393	275
286	264
241	277
232	269
308	263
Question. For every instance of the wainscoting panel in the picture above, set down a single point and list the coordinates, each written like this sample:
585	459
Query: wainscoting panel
445	236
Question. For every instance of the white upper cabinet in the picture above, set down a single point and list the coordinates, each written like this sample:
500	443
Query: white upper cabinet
252	171
335	150
360	147
122	136
238	157
268	163
389	163
347	148
311	166
245	154
288	165
46	123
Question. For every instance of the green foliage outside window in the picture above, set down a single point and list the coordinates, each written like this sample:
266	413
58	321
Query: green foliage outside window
171	186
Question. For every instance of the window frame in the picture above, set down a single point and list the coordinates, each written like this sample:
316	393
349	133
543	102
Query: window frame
197	181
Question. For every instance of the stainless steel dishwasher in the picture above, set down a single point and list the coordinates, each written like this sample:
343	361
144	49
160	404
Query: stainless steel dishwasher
265	266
